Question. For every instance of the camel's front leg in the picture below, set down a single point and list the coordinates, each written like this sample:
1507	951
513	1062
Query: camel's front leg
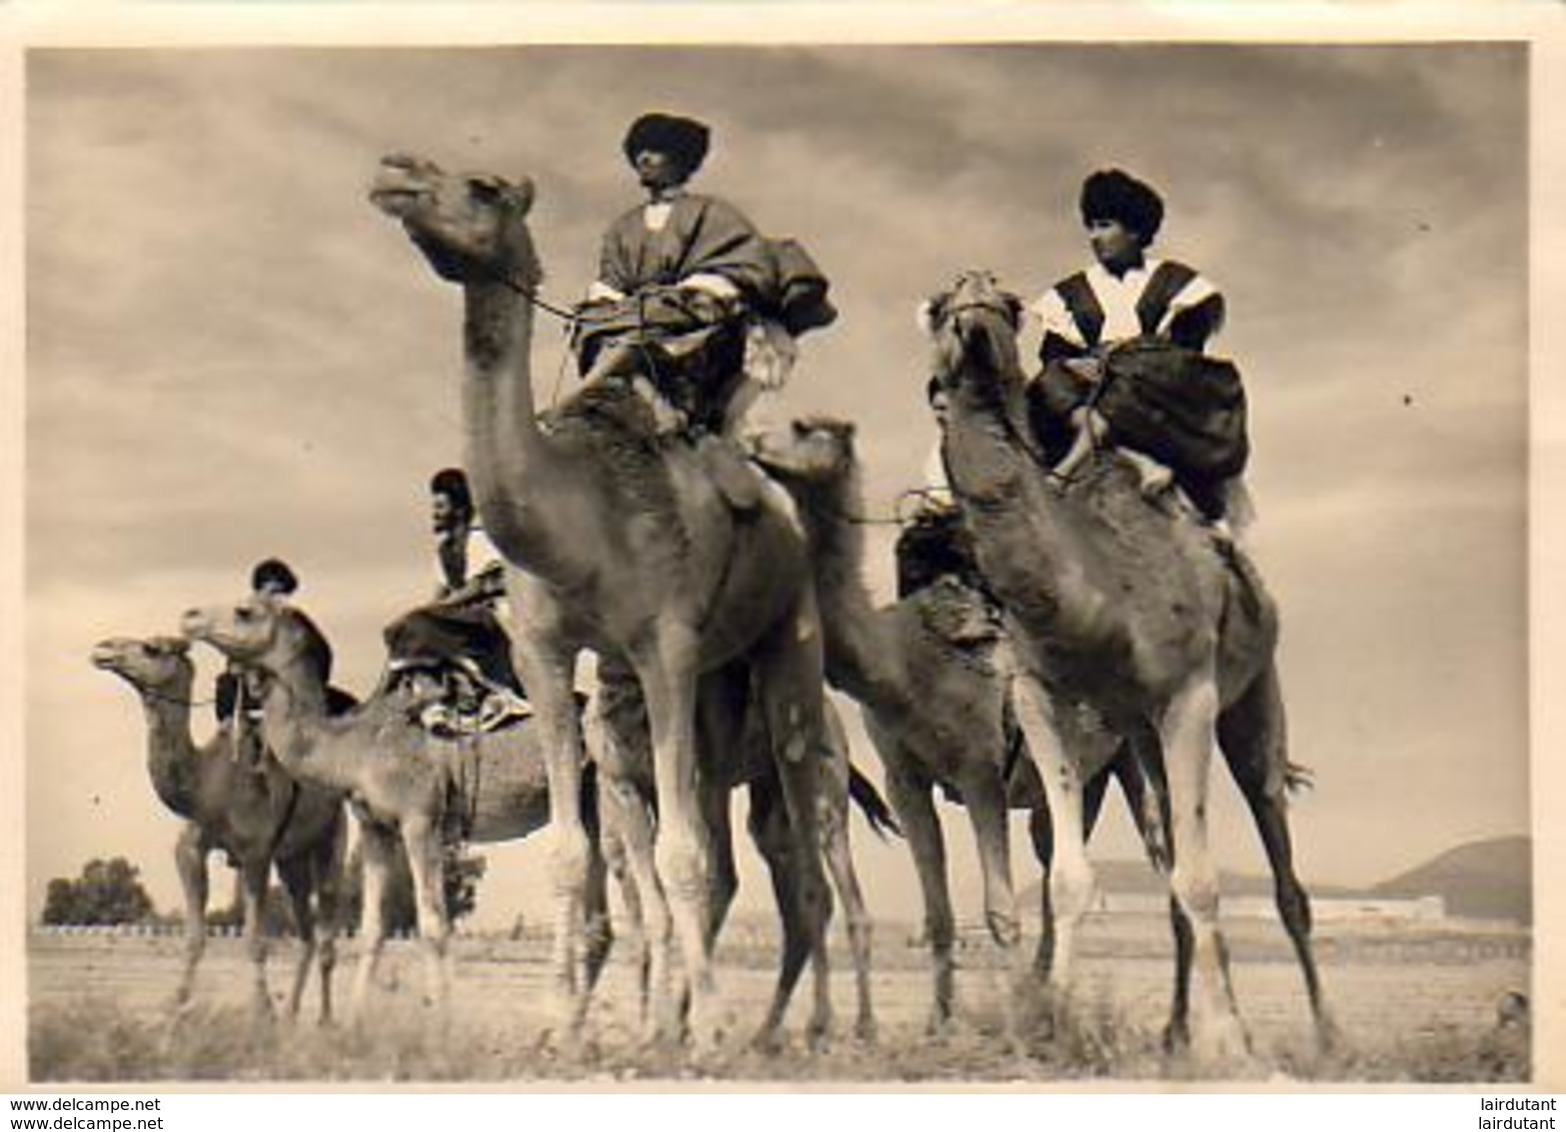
618	717
298	882
426	862
909	795
254	876
1070	873
327	873
984	797
668	680
547	666
377	846
190	859
1187	734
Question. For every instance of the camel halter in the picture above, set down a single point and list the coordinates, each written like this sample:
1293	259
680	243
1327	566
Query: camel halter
164	698
572	320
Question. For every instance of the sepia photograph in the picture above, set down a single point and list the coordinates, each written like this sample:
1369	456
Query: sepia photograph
817	562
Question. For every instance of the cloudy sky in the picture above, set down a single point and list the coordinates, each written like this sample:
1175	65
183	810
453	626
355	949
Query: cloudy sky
230	354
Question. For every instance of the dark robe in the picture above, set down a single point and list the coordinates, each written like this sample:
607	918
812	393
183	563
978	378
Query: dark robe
693	343
1160	393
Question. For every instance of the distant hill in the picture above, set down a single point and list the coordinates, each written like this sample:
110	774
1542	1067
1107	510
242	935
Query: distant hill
1486	880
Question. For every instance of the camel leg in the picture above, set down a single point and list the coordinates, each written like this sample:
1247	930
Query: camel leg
1253	738
1070	874
255	875
600	932
835	848
190	860
1142	781
618	711
721	714
638	834
377	844
984	799
1041	834
915	809
298	882
791	682
327	867
769	830
680	850
618	860
547	664
1187	733
426	862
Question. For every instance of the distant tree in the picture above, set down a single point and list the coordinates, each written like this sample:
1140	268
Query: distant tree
107	892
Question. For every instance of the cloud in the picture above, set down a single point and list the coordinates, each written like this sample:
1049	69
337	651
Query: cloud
230	354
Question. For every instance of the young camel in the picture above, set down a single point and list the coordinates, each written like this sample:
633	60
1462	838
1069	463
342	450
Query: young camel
909	677
400	781
258	817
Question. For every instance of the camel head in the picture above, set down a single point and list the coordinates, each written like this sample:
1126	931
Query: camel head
262	634
472	227
973	327
811	451
157	664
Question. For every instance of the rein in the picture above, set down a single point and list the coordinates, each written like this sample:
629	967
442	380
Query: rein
162	698
531	295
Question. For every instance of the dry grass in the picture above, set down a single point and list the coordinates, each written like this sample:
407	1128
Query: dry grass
99	1012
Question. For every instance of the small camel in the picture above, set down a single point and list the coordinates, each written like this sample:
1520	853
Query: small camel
624	545
910	678
259	817
400	781
1137	610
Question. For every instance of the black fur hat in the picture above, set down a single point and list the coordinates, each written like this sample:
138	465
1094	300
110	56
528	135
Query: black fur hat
683	139
1112	194
273	572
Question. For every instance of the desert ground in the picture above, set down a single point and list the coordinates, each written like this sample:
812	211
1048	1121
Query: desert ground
1415	1003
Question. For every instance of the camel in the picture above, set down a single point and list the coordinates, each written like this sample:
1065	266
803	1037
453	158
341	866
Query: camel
258	817
620	542
931	673
1131	606
400	781
910	679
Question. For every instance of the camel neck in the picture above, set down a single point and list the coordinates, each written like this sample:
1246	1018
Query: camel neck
1029	548
507	454
294	722
172	758
857	638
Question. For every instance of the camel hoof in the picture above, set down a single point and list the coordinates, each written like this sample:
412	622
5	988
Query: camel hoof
561	1042
768	1041
865	1033
1329	1038
1224	1050
938	1026
818	1037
